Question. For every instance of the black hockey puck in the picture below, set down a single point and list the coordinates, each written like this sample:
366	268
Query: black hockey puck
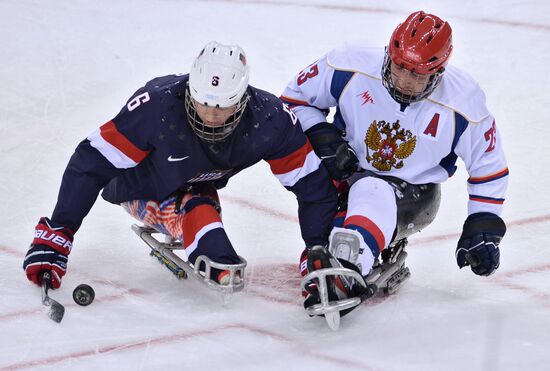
83	295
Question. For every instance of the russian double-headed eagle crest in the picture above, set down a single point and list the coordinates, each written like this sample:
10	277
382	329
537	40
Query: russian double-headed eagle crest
397	144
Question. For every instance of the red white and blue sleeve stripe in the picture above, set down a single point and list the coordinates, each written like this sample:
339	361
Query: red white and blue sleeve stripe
295	166
115	147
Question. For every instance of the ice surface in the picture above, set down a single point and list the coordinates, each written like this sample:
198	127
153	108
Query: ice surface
69	66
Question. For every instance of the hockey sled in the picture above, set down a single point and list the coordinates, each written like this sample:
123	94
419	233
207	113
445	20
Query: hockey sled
164	252
387	276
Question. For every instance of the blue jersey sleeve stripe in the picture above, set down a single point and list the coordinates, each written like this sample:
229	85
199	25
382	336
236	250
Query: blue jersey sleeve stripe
449	162
339	81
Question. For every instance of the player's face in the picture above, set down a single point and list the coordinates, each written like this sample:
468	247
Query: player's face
212	116
407	82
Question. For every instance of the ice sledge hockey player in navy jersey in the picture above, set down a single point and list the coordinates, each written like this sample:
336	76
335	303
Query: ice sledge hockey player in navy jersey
403	117
163	157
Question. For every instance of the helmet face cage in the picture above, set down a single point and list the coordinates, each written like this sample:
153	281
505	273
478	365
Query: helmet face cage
212	134
405	96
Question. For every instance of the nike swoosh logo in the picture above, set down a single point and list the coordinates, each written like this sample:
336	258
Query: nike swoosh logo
174	159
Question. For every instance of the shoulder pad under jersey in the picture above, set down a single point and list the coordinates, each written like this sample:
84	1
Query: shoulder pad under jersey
363	59
461	93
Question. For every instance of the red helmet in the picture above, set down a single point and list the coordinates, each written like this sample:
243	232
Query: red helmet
422	44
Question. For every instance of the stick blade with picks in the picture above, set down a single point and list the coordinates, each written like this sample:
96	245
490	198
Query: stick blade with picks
54	310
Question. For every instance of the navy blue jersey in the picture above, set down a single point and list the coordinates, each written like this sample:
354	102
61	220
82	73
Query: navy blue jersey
149	151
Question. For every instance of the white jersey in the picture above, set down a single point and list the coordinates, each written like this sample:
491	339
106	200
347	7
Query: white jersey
418	143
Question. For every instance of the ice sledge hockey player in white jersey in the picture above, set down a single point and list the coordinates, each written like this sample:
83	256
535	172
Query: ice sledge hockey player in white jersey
403	116
175	142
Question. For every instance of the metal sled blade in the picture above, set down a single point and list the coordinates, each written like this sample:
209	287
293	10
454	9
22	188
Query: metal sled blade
333	320
181	268
172	267
386	276
236	274
397	280
325	306
389	276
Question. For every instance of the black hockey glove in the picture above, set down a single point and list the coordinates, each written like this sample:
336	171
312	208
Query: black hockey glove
478	244
335	153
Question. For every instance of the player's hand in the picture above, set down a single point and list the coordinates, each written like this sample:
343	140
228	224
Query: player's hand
48	252
478	245
346	161
329	145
